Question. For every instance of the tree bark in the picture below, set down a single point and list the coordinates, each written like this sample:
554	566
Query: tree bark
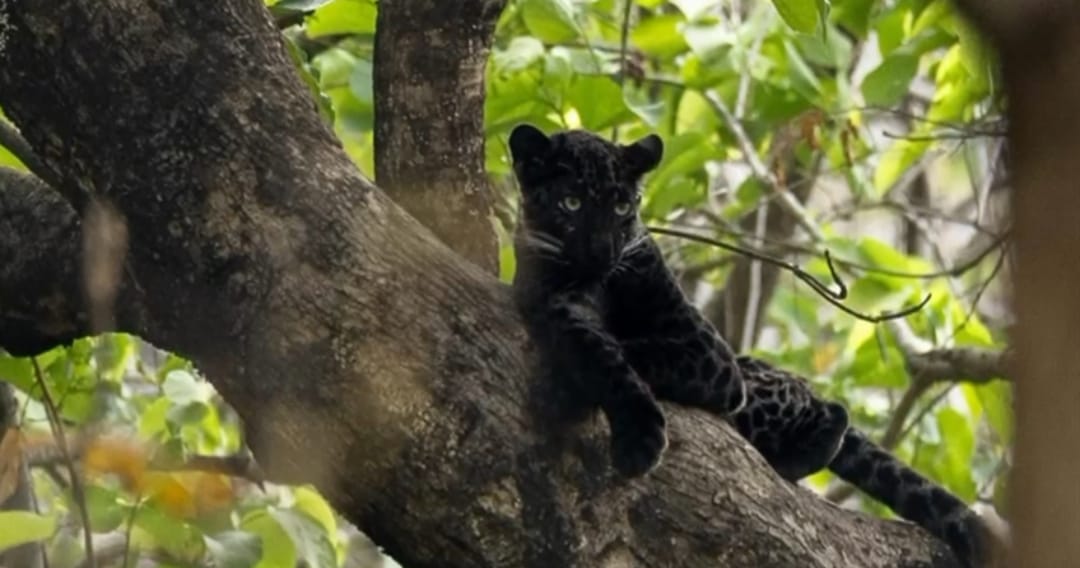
429	63
362	355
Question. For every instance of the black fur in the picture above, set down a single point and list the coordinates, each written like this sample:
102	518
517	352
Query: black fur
616	330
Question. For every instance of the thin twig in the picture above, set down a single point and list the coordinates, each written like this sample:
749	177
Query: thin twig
77	491
926	410
753	299
786	199
936	136
624	42
127	530
983	286
822	289
13	140
743	248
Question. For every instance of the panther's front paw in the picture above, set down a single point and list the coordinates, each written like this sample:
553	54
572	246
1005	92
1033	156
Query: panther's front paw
638	438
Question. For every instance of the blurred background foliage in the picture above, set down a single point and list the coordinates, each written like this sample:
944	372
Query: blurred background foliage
871	130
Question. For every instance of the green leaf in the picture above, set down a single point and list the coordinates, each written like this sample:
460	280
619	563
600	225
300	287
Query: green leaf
875	367
184	414
598	100
361	82
660	37
673	183
874	294
897	159
801	15
182	388
19	372
552	21
343	17
234	549
153	421
313	505
21	527
507	262
679	191
854	15
311	540
105	508
883	255
959	444
996	398
888	83
179	539
708	40
890	28
278	550
522	52
648	112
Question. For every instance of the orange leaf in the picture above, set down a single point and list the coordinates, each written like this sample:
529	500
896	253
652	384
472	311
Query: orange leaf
10	462
126	459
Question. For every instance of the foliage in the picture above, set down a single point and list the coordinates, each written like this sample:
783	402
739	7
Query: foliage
808	91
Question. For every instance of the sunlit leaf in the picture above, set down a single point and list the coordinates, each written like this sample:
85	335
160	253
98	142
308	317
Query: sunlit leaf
312	542
21	527
278	550
708	40
182	388
959	444
897	159
659	36
343	17
882	255
598	100
522	52
310	502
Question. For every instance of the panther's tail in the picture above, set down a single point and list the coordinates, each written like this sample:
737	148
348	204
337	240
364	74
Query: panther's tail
878	473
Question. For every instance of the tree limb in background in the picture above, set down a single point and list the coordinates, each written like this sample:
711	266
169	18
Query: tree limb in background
429	144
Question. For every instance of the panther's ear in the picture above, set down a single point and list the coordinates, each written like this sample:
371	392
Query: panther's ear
528	142
644	155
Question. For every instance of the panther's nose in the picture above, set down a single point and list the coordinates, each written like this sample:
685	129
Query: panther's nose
601	253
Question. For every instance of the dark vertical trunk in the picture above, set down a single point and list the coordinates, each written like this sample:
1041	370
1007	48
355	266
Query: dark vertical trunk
1039	44
429	138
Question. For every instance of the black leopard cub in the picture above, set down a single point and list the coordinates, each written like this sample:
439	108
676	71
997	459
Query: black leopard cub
598	299
614	327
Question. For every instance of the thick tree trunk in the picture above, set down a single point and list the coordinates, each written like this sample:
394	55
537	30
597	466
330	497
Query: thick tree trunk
429	62
1039	44
363	355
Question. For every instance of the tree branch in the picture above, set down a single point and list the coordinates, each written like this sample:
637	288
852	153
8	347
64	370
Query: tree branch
429	146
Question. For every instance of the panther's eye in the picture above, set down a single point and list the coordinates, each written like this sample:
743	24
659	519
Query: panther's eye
571	203
622	209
